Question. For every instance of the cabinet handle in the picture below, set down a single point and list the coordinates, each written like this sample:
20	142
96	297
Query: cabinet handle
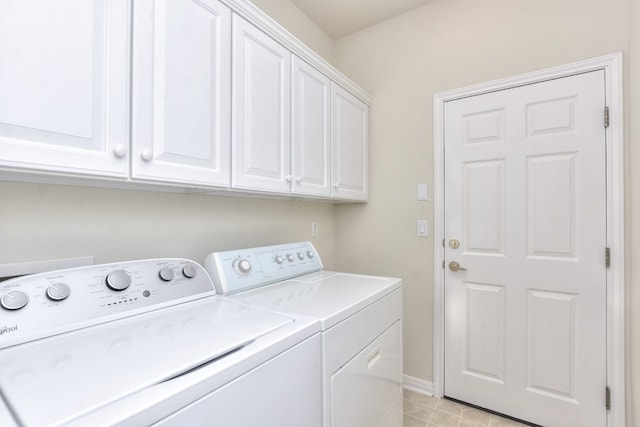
146	155
120	151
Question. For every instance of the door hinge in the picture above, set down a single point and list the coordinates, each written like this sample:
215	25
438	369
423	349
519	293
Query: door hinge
607	257
606	117
443	264
607	398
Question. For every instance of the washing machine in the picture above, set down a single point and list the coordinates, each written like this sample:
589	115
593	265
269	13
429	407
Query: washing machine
148	342
360	318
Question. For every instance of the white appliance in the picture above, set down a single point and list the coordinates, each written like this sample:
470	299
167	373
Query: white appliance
360	318
149	343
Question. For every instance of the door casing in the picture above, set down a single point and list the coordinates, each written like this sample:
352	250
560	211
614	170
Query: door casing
612	65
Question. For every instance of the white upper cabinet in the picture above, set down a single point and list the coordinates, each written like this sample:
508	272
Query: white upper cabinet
311	136
181	92
349	138
64	68
261	134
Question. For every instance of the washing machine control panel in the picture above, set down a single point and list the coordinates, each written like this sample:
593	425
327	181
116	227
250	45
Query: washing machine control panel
238	270
55	302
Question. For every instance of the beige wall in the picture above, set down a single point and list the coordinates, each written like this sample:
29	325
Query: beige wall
54	221
444	45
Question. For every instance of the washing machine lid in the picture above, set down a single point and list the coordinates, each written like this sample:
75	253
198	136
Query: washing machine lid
55	380
328	296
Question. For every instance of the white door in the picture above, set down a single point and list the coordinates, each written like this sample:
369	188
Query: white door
181	91
261	136
311	136
525	325
64	82
350	133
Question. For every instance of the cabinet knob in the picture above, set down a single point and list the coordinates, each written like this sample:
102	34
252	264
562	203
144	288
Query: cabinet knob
298	180
146	155
288	178
120	151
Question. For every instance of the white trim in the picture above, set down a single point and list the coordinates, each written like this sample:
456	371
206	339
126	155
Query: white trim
418	385
612	65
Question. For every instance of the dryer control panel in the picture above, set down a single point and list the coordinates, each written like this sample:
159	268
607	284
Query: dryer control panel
238	270
46	304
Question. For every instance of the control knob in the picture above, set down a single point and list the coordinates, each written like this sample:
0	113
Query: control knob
242	266
290	257
58	292
279	259
166	274
14	300
300	256
189	271
310	254
118	280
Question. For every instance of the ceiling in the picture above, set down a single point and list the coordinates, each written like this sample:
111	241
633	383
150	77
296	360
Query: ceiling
339	18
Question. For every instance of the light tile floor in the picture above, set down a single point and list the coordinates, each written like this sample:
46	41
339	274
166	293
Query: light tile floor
425	411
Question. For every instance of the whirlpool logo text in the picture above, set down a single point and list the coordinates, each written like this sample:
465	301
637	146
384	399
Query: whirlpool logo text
7	329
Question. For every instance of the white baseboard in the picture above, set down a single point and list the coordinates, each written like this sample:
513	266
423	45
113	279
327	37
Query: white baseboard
418	385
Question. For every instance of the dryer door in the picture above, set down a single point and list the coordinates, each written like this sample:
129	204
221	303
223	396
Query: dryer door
367	391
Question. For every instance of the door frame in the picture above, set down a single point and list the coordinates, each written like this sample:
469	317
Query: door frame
612	66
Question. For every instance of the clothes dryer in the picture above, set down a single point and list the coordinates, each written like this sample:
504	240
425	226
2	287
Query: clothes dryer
360	318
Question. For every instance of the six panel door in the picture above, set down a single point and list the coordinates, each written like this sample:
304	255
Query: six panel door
525	196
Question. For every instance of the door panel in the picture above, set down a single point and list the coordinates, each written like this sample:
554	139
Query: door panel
181	91
64	82
525	194
262	110
349	124
311	137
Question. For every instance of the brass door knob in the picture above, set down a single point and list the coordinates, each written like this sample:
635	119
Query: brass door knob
455	266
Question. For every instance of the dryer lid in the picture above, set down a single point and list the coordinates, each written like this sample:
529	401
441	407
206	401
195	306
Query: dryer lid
54	380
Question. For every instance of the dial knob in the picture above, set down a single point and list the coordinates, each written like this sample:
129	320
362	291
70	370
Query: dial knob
279	259
167	274
290	257
58	292
118	280
189	271
14	300
309	254
242	266
300	256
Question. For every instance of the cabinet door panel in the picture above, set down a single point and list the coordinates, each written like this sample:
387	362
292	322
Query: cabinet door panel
262	108
181	91
63	85
350	135
311	130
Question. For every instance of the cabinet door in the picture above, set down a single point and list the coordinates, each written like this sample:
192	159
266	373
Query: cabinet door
64	69
261	110
181	91
310	148
349	135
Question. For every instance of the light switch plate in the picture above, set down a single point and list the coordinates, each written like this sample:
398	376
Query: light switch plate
423	192
423	228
